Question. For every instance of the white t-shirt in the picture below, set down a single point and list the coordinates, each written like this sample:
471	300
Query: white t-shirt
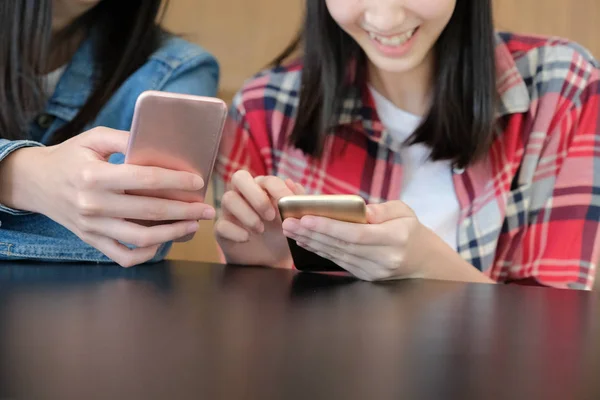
51	80
427	187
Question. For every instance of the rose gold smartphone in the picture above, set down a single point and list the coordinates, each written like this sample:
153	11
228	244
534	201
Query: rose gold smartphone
347	208
178	132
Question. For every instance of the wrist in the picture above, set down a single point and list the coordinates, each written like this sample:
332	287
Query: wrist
19	176
441	262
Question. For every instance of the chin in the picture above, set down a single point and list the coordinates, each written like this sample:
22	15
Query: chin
394	66
399	65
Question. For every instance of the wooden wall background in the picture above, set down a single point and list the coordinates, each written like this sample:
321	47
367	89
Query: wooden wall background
246	34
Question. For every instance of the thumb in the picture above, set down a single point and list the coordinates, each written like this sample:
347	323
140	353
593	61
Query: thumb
380	213
105	141
296	188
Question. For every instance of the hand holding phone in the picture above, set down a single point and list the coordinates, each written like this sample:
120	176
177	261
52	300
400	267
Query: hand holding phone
73	184
346	208
249	228
176	132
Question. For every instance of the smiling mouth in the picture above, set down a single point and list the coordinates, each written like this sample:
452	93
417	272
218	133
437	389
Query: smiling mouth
395	40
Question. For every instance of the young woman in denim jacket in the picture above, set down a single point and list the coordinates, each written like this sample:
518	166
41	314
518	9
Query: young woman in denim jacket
70	73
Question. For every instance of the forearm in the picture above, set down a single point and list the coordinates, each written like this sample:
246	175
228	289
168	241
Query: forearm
446	264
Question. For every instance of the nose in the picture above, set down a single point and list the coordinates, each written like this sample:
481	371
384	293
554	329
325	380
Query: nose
385	16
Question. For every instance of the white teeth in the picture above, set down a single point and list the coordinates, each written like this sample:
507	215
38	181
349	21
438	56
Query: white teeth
393	40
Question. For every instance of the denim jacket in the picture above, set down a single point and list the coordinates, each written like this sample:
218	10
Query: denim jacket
178	66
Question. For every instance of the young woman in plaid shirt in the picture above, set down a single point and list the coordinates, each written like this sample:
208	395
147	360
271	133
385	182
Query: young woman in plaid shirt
477	152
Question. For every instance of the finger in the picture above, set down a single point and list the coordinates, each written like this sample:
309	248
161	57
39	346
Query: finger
141	236
380	213
121	254
143	208
250	190
299	190
339	254
290	184
356	266
364	234
275	187
297	232
234	204
126	177
228	230
373	269
184	239
104	141
296	188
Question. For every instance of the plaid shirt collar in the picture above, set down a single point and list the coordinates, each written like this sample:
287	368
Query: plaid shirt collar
358	109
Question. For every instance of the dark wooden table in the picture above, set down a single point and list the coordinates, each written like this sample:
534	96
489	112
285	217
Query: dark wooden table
184	330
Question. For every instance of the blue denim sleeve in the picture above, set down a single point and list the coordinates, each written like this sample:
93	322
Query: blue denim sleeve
28	236
6	148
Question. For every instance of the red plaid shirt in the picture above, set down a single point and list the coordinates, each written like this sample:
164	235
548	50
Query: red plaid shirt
529	212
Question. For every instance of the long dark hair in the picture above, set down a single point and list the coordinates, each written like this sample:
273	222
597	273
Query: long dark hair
24	41
125	34
461	121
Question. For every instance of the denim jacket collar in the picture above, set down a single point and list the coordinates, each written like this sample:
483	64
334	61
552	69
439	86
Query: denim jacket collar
75	86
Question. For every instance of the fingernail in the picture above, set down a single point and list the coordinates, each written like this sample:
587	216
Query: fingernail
270	215
289	234
290	225
192	227
245	238
308	222
198	182
209	213
260	227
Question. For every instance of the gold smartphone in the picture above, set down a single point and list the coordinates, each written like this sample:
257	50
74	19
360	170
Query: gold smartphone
347	208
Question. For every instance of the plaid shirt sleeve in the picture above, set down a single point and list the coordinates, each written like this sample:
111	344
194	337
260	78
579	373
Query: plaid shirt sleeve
561	247
239	150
